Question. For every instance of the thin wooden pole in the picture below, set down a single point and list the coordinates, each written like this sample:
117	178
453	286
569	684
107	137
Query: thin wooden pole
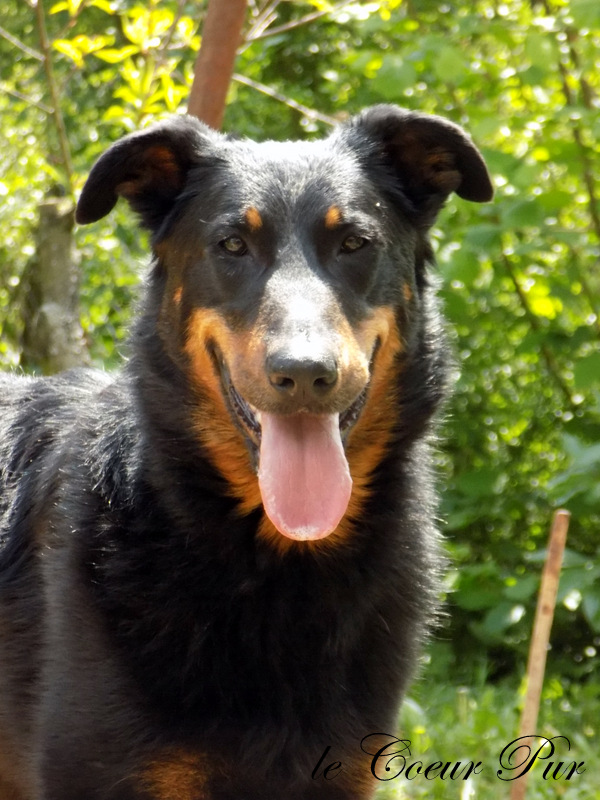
538	649
221	37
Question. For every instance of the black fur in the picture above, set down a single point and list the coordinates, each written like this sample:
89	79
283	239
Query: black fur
143	622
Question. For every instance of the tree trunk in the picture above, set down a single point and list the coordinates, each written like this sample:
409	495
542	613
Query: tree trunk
53	338
221	36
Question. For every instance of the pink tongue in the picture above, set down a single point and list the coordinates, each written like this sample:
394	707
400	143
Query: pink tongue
303	474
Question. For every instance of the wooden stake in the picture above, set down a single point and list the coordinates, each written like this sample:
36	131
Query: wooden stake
221	36
540	638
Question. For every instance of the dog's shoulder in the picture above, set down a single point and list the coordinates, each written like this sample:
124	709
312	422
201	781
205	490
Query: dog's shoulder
60	437
39	412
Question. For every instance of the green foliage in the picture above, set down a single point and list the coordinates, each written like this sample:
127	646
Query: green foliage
519	276
449	724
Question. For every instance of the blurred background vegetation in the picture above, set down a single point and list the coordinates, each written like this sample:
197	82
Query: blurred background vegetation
519	277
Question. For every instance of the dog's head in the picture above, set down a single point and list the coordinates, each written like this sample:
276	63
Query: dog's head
290	277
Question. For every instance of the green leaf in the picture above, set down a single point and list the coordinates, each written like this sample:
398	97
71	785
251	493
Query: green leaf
455	306
541	50
450	65
591	607
479	587
521	588
476	598
585	456
462	265
587	372
393	78
586	13
483	482
498	619
554	200
523	214
482	237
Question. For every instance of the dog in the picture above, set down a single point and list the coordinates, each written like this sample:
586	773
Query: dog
219	565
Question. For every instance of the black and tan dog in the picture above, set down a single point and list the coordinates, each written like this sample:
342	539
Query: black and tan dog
218	566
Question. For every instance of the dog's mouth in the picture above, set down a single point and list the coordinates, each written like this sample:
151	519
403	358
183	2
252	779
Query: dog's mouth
249	417
300	460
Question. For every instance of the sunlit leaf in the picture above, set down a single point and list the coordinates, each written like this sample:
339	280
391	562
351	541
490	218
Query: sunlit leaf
114	56
104	5
70	50
545	306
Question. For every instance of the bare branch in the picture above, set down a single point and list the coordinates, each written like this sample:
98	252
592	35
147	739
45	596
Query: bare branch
587	170
302	109
263	18
288	26
590	295
534	323
19	96
18	43
166	43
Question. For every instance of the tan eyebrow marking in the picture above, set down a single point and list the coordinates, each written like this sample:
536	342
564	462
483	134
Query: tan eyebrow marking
253	219
333	217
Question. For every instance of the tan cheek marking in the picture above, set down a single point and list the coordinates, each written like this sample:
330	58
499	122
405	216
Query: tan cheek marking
355	776
407	292
333	217
177	776
177	295
369	440
253	219
211	419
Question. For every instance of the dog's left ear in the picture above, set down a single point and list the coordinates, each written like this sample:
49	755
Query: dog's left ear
430	156
148	168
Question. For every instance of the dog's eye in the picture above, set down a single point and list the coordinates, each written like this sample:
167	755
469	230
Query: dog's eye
353	243
234	245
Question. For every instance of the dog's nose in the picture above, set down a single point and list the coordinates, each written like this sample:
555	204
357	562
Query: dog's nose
306	378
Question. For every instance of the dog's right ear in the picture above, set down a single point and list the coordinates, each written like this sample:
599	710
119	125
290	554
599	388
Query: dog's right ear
148	168
428	157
